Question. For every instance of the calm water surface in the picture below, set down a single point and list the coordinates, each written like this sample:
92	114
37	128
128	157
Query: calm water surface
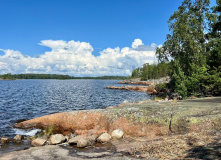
27	99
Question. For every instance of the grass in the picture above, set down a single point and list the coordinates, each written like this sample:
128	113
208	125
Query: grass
45	133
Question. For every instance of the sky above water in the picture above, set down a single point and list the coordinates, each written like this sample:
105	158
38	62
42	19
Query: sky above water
82	37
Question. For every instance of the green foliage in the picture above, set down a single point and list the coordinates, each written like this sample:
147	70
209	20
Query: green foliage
153	71
49	130
162	90
40	76
54	76
161	86
103	77
45	133
178	80
196	55
7	76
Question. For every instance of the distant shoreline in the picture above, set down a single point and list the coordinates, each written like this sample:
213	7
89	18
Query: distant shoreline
55	76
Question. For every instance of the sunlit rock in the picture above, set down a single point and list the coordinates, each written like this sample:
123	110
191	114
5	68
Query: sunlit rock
105	137
56	139
38	142
117	134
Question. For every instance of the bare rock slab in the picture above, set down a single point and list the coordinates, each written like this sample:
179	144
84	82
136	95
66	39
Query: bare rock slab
56	139
38	142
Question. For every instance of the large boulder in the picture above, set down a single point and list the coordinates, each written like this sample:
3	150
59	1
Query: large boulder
105	137
5	140
117	134
18	138
56	139
38	142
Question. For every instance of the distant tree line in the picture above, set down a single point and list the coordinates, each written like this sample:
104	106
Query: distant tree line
34	76
103	77
152	71
10	76
7	76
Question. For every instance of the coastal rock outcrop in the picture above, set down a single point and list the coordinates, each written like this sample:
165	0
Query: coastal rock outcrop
148	82
136	82
68	121
149	89
130	88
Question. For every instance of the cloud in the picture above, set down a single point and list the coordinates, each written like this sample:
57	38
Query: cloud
76	58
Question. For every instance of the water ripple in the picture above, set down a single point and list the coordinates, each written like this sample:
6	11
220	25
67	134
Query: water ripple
27	99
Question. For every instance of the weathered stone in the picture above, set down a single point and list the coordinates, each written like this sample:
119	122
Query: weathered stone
74	140
67	121
18	138
80	141
5	140
56	139
92	138
83	143
105	137
117	134
135	88
38	142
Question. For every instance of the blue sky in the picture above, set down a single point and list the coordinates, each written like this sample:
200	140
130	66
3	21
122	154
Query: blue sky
103	25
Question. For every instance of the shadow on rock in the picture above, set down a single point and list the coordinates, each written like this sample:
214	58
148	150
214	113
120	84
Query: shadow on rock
210	152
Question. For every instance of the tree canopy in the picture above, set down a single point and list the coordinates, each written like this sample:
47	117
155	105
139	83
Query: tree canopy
194	45
193	48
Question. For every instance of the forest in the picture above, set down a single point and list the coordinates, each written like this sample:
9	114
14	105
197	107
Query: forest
191	54
10	76
152	71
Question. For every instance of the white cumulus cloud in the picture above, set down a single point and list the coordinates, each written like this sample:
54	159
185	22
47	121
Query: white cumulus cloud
76	58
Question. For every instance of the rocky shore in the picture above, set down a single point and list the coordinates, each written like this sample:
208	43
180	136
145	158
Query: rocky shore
148	82
149	89
141	86
176	129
